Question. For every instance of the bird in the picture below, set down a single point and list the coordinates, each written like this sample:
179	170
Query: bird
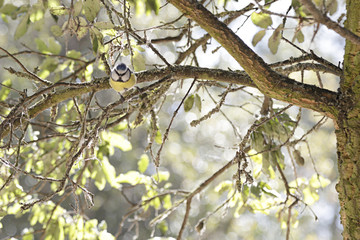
122	78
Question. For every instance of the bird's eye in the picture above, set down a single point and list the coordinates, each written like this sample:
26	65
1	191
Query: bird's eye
121	67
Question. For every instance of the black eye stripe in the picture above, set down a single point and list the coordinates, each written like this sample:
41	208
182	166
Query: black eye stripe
120	75
118	80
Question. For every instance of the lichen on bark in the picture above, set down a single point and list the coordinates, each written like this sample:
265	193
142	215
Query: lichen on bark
348	134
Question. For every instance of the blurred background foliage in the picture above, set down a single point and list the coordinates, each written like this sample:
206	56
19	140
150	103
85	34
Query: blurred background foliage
117	186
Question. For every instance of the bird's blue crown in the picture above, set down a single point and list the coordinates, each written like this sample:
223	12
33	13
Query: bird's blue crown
121	67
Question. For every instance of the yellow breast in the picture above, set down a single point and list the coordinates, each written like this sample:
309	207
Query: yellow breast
121	86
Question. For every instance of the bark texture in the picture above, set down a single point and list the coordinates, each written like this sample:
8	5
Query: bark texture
266	80
345	110
348	134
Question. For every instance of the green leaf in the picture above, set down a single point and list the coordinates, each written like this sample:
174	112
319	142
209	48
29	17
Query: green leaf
139	48
59	10
61	223
109	172
298	158
143	163
163	227
88	72
102	225
257	141
332	6
262	20
81	28
77	8
22	27
126	52
91	9
79	224
158	137
257	37
152	5
318	2
100	180
139	7
189	103
72	231
156	203
1	3
139	62
90	225
41	46
48	66
257	158
73	54
133	178
161	176
104	235
276	156
299	36
256	191
117	140
245	193
198	102
4	92
98	35
274	40
146	6
95	42
223	186
104	25
8	9
295	4
54	46
36	13
55	231
266	164
14	209
52	3
167	204
310	197
27	234
319	181
56	30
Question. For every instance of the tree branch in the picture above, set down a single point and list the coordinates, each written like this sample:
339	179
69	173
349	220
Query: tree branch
307	96
323	19
31	74
232	16
267	80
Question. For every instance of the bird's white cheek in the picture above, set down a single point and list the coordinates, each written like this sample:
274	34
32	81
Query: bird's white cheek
114	76
126	76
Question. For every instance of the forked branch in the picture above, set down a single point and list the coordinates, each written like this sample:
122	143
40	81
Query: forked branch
267	80
303	95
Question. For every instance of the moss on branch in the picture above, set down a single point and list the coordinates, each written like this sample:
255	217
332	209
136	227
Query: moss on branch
267	80
316	98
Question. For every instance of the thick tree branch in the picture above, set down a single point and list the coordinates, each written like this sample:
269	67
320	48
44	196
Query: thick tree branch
232	16
323	19
306	67
307	96
267	80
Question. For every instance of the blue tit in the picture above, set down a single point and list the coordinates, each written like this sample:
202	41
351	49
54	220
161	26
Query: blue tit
122	78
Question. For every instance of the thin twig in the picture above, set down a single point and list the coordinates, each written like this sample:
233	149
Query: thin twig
216	109
34	76
323	19
157	159
289	218
187	212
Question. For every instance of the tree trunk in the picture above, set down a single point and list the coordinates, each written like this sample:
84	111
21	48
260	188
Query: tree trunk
348	132
345	110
